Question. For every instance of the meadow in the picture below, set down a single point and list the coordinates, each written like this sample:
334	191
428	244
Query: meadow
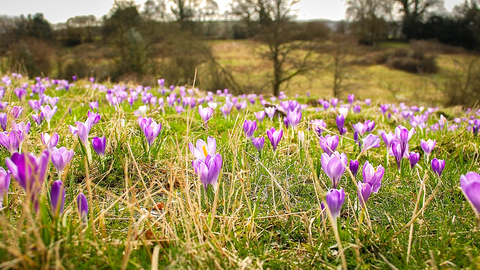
124	176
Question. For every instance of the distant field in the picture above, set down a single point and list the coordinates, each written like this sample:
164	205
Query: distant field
376	81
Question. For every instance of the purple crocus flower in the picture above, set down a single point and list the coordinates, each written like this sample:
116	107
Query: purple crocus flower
48	112
17	111
371	141
414	158
210	170
334	102
20	93
373	176
438	165
360	128
57	198
293	118
260	116
397	153
11	140
82	130
326	104
205	114
249	128
384	108
470	185
35	104
99	145
94	117
354	167
274	136
364	191
30	172
270	111
3	121
329	143
53	101
335	199
4	184
357	108
427	146
340	120
93	105
82	207
403	136
351	98
150	128
22	127
368	101
388	138
60	158
318	126
50	141
258	143
201	150
334	166
38	118
355	138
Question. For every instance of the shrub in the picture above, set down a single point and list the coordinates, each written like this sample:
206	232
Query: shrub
31	56
462	86
78	68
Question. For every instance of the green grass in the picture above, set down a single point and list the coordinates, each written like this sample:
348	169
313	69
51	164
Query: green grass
266	212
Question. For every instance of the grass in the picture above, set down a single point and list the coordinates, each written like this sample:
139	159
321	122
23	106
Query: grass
148	209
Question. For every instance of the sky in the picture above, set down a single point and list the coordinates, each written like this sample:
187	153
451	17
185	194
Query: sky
57	11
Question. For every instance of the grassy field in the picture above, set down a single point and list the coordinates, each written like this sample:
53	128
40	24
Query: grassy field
373	81
148	209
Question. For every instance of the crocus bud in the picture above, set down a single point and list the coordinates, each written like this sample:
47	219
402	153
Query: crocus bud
354	167
438	165
57	198
414	158
301	136
3	121
335	199
82	207
99	145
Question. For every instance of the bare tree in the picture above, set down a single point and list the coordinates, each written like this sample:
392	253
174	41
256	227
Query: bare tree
271	20
369	18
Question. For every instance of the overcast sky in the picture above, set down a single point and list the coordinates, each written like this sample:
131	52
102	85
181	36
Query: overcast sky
60	10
